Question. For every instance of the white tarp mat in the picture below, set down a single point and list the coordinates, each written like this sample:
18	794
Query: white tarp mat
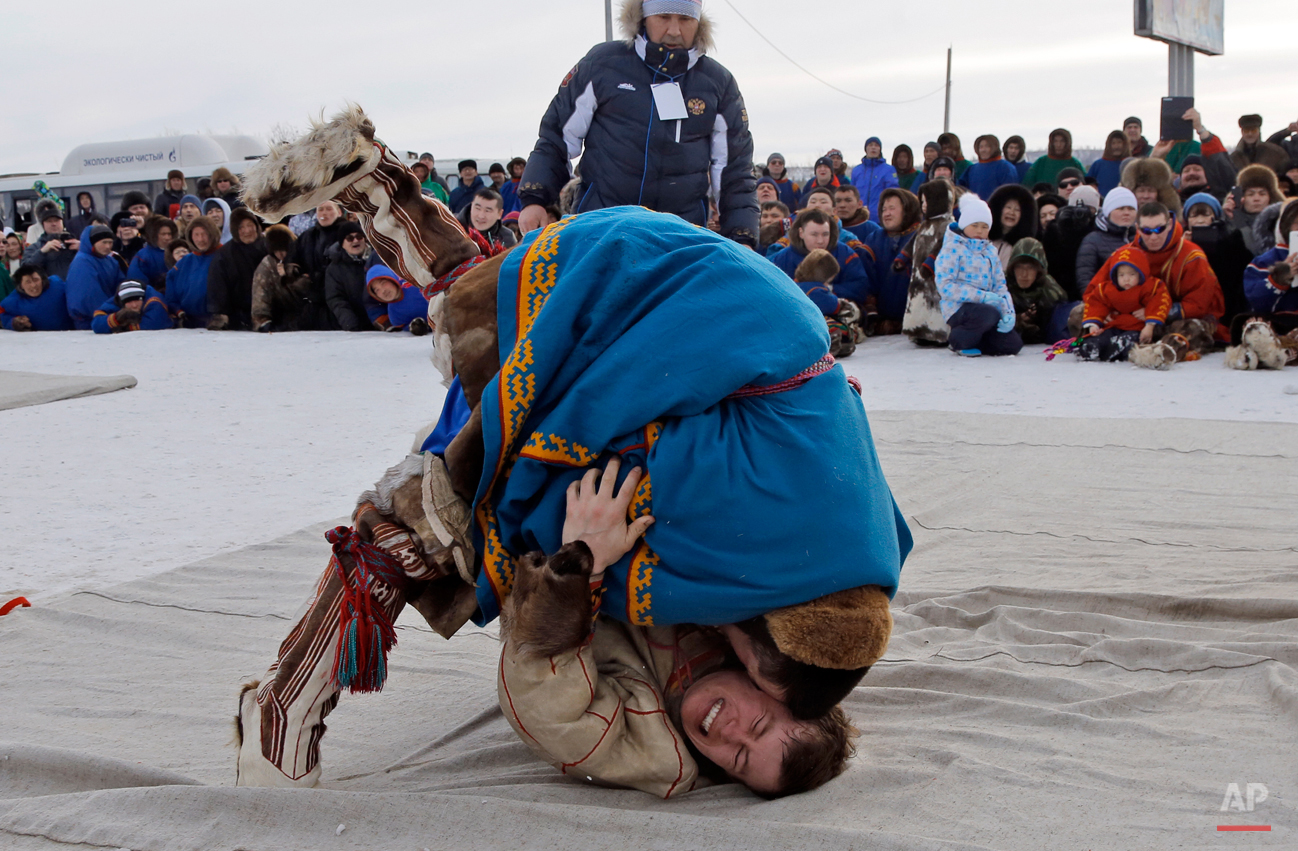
20	389
1097	635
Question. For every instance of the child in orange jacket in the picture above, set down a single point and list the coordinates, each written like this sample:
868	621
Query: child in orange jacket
1130	307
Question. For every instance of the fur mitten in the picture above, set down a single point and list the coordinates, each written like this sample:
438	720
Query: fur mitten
21	323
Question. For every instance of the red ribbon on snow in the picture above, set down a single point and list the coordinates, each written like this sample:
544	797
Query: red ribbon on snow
13	604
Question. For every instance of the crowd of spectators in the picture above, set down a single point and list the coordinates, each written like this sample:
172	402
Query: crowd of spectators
1023	252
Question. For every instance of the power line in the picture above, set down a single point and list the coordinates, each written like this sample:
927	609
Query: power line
795	64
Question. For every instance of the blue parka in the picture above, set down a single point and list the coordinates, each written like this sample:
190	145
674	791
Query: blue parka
91	279
1260	288
871	177
187	286
47	311
852	281
153	316
984	178
149	266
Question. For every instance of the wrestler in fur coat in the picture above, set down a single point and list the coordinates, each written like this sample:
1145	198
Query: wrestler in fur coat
923	321
419	238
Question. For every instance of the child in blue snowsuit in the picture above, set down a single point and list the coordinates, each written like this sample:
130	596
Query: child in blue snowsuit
974	299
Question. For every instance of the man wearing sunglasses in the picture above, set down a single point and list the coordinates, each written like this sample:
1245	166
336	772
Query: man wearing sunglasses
1197	300
1069	179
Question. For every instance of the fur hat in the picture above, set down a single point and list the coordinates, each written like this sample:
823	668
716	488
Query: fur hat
208	226
47	209
153	225
938	197
116	221
224	173
175	173
973	211
1252	121
238	215
1258	176
134	198
463	164
169	256
911	211
1156	174
279	238
632	19
845	630
1028	220
818	266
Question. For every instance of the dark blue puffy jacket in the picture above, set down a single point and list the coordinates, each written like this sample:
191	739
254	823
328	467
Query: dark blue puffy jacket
153	315
149	266
91	279
47	311
604	112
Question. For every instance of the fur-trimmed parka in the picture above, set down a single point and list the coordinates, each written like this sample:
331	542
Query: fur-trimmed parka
604	112
923	321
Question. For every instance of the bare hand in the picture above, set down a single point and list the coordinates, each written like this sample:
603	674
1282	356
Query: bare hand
1090	330
52	245
1147	334
1162	148
597	515
72	244
1139	313
1228	206
532	217
1293	259
279	269
1192	115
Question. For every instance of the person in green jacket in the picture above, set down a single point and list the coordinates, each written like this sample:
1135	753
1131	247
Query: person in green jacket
426	171
1059	156
949	143
1034	292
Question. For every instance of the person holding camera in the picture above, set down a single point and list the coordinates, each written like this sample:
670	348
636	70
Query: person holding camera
54	251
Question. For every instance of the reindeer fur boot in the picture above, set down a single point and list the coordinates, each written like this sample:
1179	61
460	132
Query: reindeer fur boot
1260	348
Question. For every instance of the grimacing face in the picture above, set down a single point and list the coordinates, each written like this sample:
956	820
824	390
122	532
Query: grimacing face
30	285
766	192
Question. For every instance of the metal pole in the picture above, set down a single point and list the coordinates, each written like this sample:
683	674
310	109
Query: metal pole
608	20
1180	70
946	114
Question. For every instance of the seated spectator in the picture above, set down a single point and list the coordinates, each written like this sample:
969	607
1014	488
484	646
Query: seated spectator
1197	302
136	307
949	143
1251	150
393	304
150	263
1063	239
942	168
173	253
218	213
345	280
55	249
1269	279
852	215
790	192
931	152
169	199
186	294
280	290
890	253
229	279
991	171
1107	170
312	255
1014	150
1069	180
38	303
774	216
203	188
1014	217
137	205
1256	188
974	299
1151	181
1039	189
872	176
817	228
1227	254
85	212
820	198
509	190
824	179
842	316
190	209
12	257
1035	294
496	174
511	222
431	188
1133	128
470	183
430	163
1126	306
903	162
225	186
1059	156
1115	226
767	190
127	241
93	276
482	217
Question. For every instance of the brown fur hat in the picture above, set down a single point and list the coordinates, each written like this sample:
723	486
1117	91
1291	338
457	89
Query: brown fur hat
154	224
632	18
1154	173
224	173
1258	176
279	238
237	217
204	223
819	267
938	195
812	215
910	207
845	630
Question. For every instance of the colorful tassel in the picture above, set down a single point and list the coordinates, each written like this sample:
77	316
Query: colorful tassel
366	632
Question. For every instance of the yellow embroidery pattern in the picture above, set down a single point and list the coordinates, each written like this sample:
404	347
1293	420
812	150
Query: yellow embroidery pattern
517	391
639	577
557	450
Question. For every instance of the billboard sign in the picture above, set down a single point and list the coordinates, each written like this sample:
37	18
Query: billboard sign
1193	23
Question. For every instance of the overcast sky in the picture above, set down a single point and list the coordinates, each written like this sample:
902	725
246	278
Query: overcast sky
440	76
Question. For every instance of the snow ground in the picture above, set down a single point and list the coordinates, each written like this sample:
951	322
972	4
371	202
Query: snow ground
232	439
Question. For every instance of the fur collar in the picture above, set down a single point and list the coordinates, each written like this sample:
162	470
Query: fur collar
633	16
